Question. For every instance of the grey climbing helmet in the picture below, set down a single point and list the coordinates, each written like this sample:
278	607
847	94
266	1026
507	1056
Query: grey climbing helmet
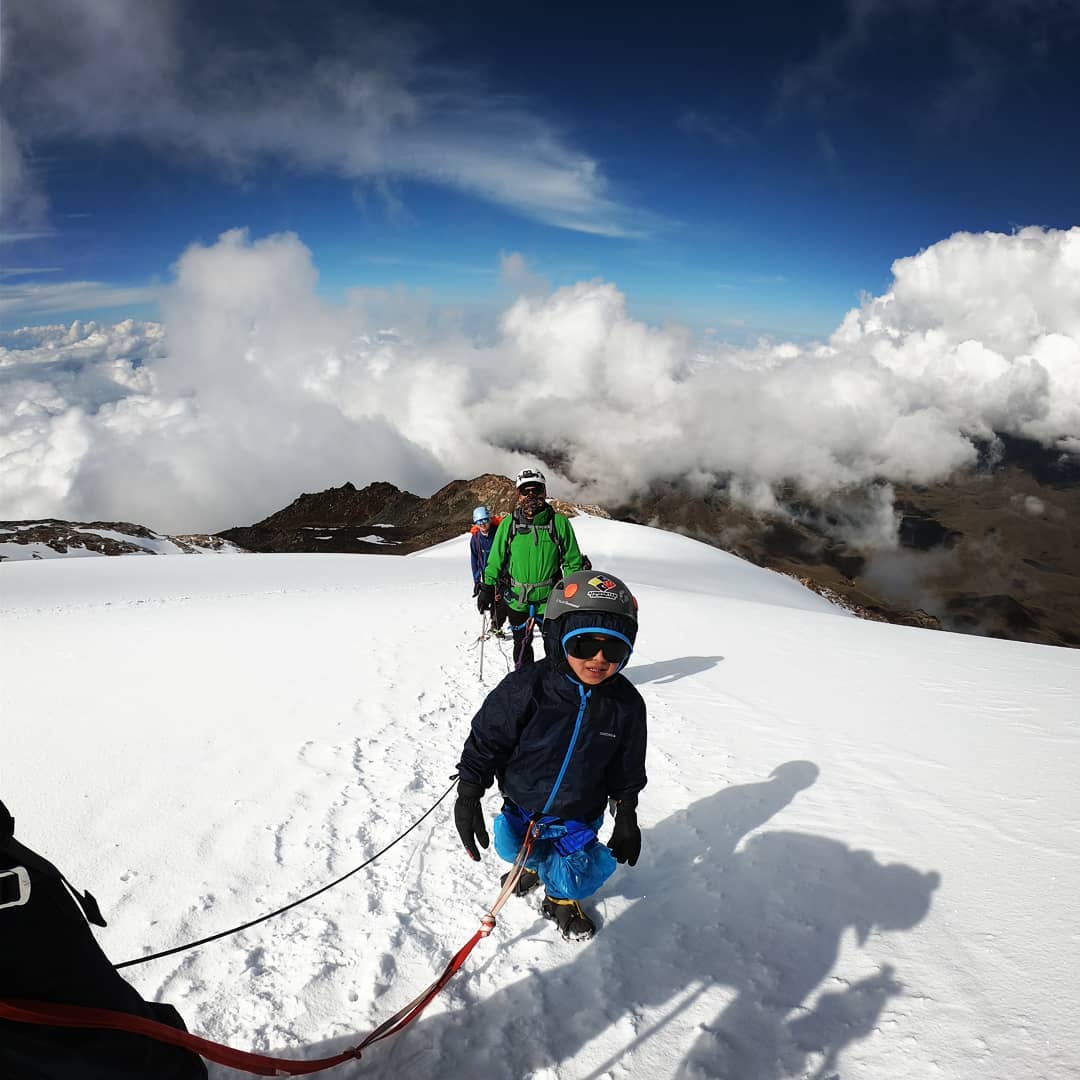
589	602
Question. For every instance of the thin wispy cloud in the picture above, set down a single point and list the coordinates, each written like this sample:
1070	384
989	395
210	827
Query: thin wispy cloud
16	237
24	271
23	206
981	48
444	265
715	129
828	148
29	299
363	101
741	281
973	86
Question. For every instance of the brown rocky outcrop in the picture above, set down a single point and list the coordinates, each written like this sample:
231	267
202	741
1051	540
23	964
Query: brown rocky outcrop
101	538
380	518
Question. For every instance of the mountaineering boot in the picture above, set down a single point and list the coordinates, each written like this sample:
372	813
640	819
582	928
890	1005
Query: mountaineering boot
569	917
525	884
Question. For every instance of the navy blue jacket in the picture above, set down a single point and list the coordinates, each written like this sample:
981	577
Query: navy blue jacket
479	550
526	725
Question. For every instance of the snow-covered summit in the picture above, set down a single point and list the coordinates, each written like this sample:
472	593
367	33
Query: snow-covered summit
858	858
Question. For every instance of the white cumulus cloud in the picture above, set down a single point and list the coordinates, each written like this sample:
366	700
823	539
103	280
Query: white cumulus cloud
255	389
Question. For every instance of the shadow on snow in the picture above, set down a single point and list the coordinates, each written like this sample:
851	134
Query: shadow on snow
763	922
669	671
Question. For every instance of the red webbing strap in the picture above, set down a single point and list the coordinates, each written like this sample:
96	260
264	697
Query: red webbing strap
40	1012
79	1016
415	1007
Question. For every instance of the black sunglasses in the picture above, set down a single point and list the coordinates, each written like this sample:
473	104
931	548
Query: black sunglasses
585	648
531	489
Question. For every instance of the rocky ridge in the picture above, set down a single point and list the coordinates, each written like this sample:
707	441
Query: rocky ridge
51	537
381	519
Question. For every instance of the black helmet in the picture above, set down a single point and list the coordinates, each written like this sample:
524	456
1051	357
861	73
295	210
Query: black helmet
588	602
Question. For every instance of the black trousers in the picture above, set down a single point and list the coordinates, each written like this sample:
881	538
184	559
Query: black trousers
523	647
498	613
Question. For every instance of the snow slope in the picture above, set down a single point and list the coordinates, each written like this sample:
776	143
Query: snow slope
861	841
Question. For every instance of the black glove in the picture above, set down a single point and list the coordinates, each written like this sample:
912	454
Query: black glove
625	842
485	598
476	587
469	818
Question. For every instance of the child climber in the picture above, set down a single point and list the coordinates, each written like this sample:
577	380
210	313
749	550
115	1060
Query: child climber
563	737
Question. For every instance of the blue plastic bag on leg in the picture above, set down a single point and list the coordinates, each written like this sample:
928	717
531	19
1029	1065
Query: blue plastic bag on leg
579	874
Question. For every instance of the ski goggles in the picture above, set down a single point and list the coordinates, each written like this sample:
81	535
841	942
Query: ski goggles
581	647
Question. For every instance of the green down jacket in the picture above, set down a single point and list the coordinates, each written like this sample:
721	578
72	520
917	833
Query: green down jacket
541	552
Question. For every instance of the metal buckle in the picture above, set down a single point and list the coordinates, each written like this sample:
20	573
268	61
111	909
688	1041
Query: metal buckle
14	887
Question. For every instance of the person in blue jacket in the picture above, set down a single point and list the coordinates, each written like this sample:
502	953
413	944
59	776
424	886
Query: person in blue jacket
480	538
564	738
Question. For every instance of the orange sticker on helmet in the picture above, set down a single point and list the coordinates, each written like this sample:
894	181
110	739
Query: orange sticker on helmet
570	590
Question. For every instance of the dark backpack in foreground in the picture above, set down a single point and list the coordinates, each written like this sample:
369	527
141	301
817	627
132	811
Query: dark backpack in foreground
50	954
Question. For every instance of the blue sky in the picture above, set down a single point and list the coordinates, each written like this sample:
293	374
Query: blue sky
750	168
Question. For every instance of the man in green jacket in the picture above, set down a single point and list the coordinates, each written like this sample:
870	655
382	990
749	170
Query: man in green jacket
534	547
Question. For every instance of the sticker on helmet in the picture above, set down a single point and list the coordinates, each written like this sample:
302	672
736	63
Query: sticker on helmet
601	583
570	590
